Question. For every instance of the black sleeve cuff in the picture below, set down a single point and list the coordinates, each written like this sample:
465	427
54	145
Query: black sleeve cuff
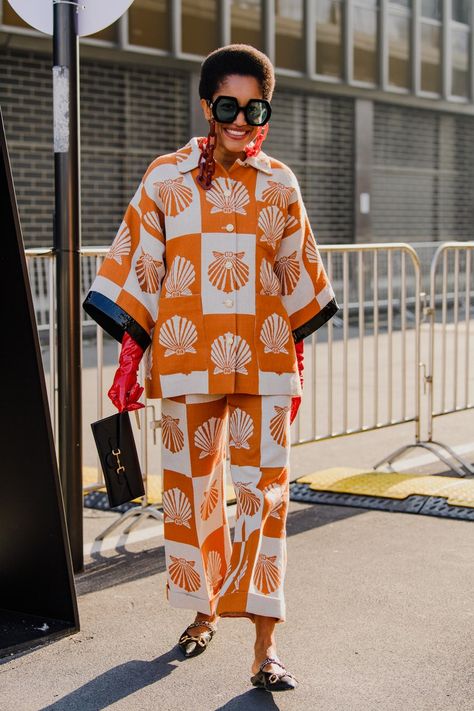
316	322
114	319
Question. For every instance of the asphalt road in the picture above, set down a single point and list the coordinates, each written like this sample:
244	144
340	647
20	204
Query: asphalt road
380	619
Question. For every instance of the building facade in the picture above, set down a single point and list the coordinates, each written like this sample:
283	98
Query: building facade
374	109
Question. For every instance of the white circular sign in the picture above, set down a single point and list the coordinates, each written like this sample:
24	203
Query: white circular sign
93	16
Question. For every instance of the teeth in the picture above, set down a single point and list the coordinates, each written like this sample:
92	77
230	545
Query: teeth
238	134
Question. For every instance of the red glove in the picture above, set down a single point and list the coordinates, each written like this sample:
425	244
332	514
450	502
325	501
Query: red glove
125	389
296	401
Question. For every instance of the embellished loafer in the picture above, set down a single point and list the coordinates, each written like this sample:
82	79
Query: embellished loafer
192	646
274	681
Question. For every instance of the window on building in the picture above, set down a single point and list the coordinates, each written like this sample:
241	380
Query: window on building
431	9
460	11
109	34
246	22
460	61
148	24
399	32
329	48
10	17
431	13
460	41
365	19
200	26
289	39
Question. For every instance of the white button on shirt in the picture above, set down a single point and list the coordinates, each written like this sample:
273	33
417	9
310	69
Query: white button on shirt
228	303
229	227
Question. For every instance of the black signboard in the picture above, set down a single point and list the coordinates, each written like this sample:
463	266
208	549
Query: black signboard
37	595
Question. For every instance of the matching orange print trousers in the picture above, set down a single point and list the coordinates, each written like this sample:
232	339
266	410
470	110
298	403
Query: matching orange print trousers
243	577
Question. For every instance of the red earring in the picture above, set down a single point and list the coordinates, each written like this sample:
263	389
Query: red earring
207	164
253	149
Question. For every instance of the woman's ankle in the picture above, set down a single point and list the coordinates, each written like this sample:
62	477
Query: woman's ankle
208	618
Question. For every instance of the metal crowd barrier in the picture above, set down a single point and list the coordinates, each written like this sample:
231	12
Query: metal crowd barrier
449	381
362	369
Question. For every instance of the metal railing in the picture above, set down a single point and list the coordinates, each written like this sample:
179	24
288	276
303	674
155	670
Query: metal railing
362	369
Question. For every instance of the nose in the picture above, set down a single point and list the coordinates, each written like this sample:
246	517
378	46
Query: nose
240	119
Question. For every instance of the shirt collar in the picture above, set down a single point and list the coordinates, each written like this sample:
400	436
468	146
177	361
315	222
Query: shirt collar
188	158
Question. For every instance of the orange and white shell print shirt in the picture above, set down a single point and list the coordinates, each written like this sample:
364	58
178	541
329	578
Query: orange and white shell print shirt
219	284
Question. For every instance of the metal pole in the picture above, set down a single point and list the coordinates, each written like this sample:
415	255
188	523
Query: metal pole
67	242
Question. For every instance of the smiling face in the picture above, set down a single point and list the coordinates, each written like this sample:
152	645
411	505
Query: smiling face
233	137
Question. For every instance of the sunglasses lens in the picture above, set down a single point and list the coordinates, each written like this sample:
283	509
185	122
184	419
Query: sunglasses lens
226	109
257	112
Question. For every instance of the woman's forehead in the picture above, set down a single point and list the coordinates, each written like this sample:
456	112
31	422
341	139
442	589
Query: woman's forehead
241	86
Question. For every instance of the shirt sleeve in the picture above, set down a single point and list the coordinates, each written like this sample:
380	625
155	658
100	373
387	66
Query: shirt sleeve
306	292
124	295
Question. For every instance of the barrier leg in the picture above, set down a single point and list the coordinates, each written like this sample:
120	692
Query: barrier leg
464	470
134	513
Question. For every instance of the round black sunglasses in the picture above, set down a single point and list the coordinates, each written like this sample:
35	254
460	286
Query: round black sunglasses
225	109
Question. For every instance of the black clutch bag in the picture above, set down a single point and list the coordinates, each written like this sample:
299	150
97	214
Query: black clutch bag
119	459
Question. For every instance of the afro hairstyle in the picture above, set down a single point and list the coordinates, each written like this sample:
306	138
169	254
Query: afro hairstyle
241	59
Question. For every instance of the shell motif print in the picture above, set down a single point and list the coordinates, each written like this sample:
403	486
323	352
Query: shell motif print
183	575
176	507
177	335
175	196
248	501
121	245
288	272
240	573
180	277
277	496
279	425
272	224
230	354
228	196
291	223
266	574
209	501
152	223
183	154
274	334
148	274
213	570
268	279
278	194
311	251
207	437
240	429
172	435
228	272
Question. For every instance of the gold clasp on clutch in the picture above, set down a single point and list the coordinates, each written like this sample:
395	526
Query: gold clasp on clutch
120	467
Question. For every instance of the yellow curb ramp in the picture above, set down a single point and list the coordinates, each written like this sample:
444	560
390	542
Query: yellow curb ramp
390	485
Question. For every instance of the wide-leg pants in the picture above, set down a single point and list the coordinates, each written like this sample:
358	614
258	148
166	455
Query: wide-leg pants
244	577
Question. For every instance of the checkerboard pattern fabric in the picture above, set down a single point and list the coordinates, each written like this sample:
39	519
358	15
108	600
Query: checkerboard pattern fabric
217	284
244	578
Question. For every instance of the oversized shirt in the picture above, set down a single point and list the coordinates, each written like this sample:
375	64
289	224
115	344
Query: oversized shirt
217	284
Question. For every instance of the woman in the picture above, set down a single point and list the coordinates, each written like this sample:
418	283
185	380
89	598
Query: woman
216	273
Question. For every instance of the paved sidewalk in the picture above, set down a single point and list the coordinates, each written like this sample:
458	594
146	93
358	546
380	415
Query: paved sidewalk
380	616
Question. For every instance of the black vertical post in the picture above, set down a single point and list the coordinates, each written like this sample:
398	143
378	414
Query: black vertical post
67	242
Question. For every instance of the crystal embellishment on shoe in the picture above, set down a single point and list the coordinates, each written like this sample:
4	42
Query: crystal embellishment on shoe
191	645
274	681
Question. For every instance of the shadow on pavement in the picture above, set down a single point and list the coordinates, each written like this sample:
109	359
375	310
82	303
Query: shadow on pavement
253	699
126	566
117	683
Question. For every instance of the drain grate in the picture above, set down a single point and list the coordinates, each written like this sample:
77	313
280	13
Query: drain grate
426	505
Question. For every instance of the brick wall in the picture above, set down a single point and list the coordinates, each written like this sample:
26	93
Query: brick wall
128	116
